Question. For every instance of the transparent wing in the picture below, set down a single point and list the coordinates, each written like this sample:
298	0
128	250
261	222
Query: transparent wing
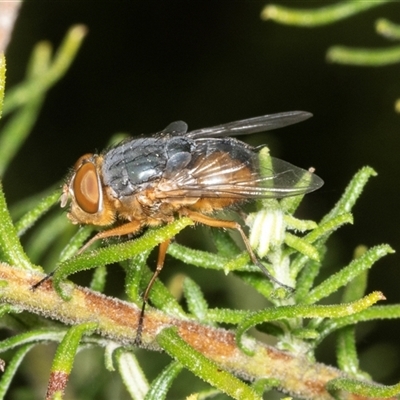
252	125
219	178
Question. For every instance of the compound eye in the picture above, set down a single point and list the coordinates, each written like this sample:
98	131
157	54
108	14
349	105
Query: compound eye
86	188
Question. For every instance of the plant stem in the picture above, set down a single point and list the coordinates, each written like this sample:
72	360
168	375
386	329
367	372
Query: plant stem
118	320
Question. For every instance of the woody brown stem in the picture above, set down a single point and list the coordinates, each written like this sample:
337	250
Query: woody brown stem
118	320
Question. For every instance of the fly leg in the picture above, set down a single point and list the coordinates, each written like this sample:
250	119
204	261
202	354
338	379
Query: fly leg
162	251
220	223
133	227
122	230
130	227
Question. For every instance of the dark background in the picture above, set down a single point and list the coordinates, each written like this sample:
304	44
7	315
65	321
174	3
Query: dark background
146	64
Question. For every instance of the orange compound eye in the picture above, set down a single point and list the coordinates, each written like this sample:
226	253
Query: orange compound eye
86	188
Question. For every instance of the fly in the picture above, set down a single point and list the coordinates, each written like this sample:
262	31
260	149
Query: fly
150	181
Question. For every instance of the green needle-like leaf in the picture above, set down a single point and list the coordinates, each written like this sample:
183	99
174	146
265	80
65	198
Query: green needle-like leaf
12	367
351	194
201	366
197	304
36	212
64	359
132	374
10	245
68	347
159	387
347	274
363	388
370	314
364	57
302	246
347	357
304	311
387	29
98	282
134	268
319	16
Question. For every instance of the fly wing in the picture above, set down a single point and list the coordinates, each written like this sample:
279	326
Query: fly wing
220	178
252	125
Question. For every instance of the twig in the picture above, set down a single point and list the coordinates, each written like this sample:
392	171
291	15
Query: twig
118	320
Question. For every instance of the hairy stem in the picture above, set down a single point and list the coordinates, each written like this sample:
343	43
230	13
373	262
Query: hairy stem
118	321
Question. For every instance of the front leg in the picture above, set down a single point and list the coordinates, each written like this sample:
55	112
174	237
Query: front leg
125	229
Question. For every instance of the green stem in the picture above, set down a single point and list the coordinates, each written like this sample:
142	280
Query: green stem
363	57
387	29
10	246
310	18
